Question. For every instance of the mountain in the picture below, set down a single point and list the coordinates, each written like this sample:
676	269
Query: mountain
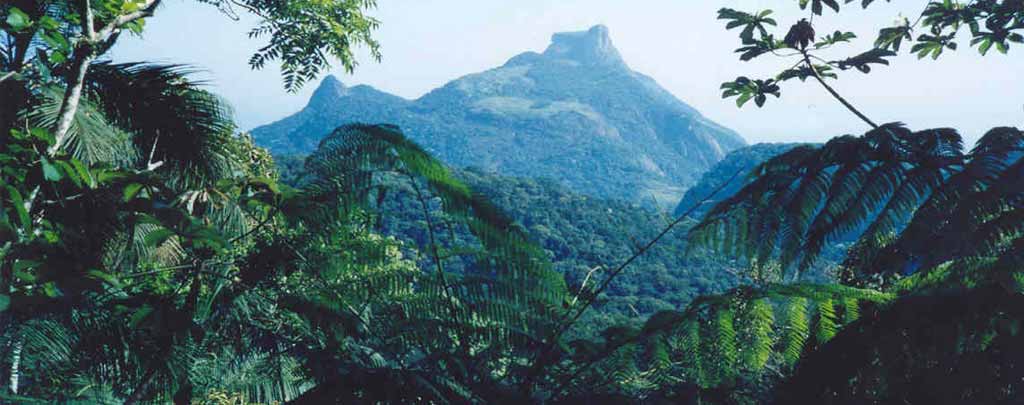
575	113
741	160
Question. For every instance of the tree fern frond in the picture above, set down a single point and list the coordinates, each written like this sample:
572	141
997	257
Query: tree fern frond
797	330
758	323
827	323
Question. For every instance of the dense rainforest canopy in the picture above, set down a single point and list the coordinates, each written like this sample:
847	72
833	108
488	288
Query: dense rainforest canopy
149	253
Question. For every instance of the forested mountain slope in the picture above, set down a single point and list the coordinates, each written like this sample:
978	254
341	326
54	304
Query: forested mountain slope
579	232
575	112
582	233
741	161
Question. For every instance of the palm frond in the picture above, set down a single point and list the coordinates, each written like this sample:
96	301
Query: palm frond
172	119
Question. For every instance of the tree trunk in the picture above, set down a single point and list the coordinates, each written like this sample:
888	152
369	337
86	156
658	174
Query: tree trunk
16	364
83	57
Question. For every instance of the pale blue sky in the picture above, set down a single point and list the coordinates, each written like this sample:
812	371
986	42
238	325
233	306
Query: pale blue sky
678	42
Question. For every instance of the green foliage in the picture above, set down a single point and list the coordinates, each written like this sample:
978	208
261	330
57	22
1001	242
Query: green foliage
750	22
796	330
939	227
715	341
962	345
586	236
746	89
506	299
742	160
581	235
759	317
826	321
989	23
303	35
148	253
891	188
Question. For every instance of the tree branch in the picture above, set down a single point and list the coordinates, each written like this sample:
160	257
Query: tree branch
88	21
81	59
143	12
88	47
821	80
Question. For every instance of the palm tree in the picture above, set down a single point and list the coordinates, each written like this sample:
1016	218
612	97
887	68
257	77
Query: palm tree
149	163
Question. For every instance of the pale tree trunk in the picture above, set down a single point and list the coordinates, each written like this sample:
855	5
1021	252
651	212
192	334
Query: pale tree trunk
16	364
93	42
83	58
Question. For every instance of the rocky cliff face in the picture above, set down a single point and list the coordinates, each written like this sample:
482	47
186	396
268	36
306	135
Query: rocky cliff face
575	113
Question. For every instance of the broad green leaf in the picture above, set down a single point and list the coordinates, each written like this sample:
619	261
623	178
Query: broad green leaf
83	172
70	172
743	99
50	289
25	276
5	302
19	206
267	182
50	171
131	190
43	135
18	20
1002	47
22	265
48	23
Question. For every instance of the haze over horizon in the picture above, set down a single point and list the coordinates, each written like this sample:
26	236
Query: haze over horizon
679	44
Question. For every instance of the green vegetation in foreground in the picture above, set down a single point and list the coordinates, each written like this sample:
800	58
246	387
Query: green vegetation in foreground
150	254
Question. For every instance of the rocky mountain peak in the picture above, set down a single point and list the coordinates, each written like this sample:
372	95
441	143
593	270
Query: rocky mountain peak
330	91
590	47
575	113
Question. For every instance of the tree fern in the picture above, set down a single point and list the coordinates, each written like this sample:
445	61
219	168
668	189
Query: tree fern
721	357
797	330
722	337
937	228
827	323
757	324
351	157
688	347
891	181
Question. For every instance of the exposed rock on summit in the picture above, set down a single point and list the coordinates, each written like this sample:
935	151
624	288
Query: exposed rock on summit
575	113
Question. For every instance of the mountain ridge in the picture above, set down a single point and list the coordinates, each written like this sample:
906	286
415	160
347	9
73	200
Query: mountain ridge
576	113
734	168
